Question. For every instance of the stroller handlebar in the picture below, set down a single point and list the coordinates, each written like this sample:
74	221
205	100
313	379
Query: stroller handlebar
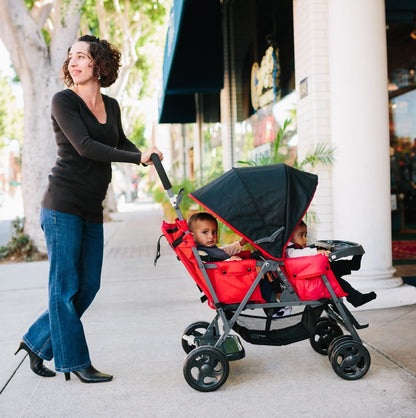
161	171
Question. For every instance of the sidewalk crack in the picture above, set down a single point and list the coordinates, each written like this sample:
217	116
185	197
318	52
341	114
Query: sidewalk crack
12	375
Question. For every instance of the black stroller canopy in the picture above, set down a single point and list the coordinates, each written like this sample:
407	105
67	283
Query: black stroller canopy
264	204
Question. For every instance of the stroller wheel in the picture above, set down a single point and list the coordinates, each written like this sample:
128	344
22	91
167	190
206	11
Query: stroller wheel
197	329
350	360
338	340
326	331
206	368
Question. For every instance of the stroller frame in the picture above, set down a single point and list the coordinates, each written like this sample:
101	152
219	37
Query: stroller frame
210	346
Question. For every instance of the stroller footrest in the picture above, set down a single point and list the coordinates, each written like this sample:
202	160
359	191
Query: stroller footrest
360	325
233	348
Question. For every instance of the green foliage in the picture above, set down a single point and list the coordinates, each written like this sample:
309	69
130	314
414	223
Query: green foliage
11	116
160	196
137	134
322	154
20	247
276	157
30	3
141	17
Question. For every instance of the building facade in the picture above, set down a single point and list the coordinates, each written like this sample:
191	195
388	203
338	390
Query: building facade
336	68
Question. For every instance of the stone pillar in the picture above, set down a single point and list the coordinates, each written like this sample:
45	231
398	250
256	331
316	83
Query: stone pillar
313	104
360	133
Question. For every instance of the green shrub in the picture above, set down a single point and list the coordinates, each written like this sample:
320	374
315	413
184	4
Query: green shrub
20	247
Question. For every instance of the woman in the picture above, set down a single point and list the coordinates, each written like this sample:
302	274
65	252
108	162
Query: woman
89	136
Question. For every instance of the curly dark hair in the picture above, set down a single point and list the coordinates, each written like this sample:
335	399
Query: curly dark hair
106	59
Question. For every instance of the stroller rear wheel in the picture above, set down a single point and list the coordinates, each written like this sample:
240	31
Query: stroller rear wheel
326	331
195	330
350	360
206	368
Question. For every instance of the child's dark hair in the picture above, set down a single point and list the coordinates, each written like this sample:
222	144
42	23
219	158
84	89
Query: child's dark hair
200	216
301	223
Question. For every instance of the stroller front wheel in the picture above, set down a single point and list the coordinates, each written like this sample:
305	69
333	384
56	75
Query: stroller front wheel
337	341
350	360
206	368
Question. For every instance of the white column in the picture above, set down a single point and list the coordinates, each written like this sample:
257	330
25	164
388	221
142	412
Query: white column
360	134
310	21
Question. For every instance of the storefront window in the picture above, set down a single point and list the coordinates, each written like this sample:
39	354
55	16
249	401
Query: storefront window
403	159
255	137
401	51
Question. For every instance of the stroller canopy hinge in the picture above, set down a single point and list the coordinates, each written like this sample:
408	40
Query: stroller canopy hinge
175	200
271	238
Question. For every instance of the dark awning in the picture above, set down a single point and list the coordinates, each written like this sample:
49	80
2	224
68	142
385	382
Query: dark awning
400	11
193	60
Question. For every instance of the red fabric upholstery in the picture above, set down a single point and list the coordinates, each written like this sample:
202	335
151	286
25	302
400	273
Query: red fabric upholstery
231	280
304	274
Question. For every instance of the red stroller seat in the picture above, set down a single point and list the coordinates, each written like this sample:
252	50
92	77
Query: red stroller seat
230	280
305	276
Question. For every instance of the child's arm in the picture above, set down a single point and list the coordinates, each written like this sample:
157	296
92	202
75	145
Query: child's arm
235	247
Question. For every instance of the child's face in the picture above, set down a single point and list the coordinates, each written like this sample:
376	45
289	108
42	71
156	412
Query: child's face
299	236
205	233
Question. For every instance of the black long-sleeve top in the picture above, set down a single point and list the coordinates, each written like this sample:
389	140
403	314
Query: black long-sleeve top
78	182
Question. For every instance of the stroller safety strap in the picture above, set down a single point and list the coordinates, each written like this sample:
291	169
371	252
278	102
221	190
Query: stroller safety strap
271	238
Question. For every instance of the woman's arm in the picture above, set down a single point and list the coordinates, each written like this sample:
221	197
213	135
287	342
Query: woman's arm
66	114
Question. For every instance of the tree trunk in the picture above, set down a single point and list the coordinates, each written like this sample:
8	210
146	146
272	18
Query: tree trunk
37	65
39	151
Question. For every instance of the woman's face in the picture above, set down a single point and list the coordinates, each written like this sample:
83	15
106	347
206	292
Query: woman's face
81	64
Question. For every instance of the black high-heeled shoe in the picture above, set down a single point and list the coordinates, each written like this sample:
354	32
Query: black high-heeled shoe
89	375
36	362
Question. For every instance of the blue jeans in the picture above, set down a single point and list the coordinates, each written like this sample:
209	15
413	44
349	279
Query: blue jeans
75	251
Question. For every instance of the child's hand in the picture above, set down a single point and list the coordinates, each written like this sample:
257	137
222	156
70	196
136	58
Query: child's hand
325	252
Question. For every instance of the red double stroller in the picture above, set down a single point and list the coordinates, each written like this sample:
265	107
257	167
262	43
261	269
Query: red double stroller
264	205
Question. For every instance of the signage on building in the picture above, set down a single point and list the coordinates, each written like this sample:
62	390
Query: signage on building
265	79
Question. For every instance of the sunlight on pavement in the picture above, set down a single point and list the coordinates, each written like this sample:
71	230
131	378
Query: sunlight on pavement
142	204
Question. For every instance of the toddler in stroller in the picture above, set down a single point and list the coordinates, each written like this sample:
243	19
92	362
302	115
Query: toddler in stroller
204	229
297	248
276	198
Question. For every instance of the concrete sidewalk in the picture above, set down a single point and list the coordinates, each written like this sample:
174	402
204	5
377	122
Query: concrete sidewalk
134	330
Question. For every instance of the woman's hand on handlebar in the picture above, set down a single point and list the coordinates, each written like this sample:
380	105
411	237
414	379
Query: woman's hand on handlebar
145	158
